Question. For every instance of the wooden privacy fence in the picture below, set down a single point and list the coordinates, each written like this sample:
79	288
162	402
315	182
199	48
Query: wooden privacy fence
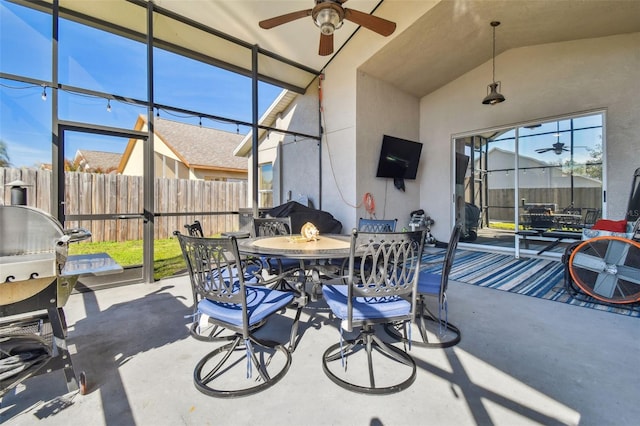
501	201
94	193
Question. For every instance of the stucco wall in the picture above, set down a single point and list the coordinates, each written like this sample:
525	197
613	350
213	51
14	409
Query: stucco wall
539	82
342	173
134	166
383	109
267	153
339	173
301	155
300	176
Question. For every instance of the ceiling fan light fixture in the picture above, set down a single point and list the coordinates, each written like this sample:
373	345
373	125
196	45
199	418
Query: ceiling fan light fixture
558	148
328	20
494	97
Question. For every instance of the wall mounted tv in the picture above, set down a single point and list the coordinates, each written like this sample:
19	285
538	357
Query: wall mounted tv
399	158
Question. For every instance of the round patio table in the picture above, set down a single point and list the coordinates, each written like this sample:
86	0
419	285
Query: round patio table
330	246
325	247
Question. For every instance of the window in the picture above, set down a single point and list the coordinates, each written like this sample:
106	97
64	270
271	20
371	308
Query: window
265	185
555	165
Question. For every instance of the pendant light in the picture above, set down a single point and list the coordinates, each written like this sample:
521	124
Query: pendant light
493	96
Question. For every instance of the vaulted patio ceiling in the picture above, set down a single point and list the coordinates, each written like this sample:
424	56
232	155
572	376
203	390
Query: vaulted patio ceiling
455	37
452	38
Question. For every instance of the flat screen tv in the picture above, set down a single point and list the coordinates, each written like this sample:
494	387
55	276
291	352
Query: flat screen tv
399	158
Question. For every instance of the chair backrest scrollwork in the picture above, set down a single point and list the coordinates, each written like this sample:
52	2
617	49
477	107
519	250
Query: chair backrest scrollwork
377	225
215	269
194	229
271	226
384	265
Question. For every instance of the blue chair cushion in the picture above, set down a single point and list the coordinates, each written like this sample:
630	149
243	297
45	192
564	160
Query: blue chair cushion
261	302
364	307
429	283
288	263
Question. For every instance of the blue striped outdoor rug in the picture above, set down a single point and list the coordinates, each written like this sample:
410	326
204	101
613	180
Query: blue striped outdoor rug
532	277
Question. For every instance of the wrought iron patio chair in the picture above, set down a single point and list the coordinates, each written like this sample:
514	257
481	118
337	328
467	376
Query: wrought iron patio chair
251	267
540	219
435	330
271	226
381	288
377	225
226	300
591	217
633	207
573	220
274	226
194	229
369	225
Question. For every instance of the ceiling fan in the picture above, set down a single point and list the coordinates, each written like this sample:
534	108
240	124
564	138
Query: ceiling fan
329	15
557	148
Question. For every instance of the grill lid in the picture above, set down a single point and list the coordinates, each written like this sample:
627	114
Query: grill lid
27	230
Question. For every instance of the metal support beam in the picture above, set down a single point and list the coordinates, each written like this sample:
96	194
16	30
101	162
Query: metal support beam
254	132
57	145
148	167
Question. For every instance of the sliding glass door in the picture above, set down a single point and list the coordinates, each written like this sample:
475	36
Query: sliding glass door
540	176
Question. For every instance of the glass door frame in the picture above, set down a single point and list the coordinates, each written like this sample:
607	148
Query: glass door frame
59	190
457	204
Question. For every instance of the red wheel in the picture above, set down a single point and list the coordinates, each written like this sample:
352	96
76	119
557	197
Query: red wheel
607	268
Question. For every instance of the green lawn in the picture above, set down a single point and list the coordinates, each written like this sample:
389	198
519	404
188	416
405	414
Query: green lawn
167	257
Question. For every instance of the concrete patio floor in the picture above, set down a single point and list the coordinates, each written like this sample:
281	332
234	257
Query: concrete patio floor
521	361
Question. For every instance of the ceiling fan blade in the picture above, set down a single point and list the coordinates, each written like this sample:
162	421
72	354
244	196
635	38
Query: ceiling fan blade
373	23
283	19
326	45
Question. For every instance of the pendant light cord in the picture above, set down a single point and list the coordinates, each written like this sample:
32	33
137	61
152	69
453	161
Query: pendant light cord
494	53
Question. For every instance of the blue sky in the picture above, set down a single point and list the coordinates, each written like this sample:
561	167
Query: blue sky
103	62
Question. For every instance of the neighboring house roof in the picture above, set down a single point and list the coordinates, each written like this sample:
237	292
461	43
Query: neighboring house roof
196	146
201	146
98	160
279	105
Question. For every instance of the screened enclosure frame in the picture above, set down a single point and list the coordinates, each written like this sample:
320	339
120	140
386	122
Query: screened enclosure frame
239	57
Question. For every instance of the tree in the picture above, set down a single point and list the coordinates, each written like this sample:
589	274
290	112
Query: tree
593	167
76	166
4	155
72	166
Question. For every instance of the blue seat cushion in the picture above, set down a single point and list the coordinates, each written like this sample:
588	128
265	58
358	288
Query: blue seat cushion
261	302
364	307
288	263
429	283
